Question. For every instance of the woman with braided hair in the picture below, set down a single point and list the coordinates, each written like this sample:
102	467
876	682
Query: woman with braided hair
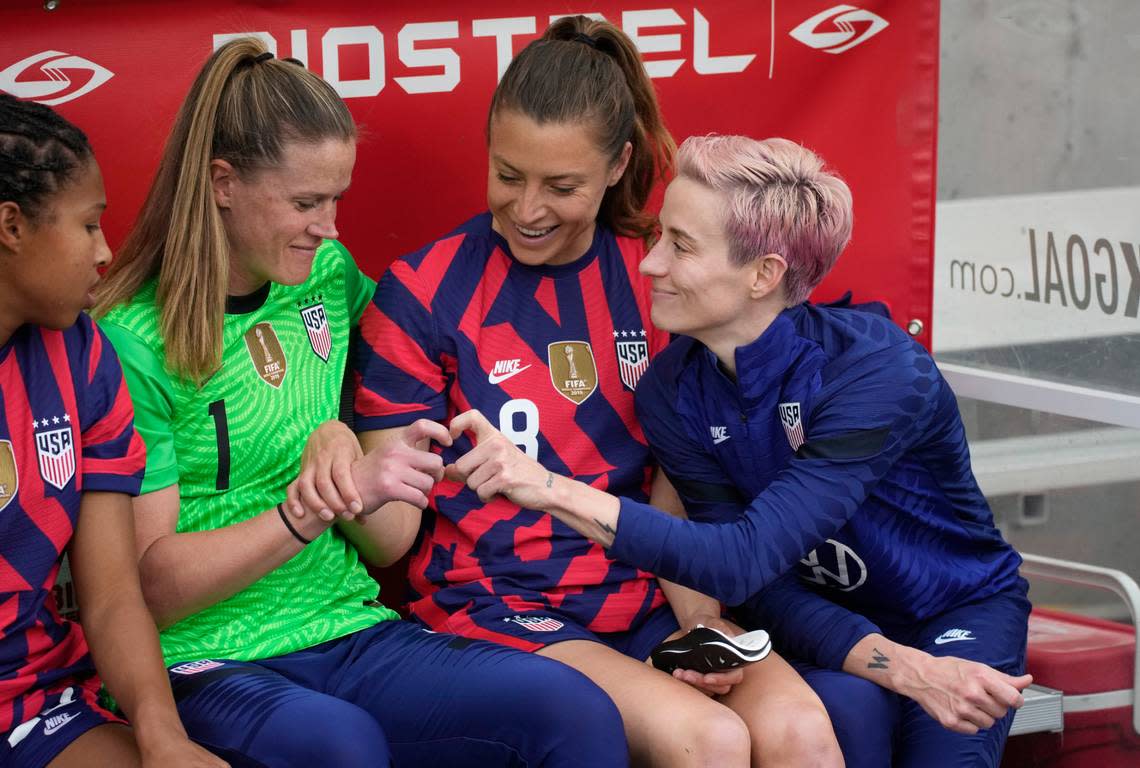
69	461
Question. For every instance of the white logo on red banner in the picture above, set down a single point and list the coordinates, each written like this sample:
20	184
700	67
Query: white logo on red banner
55	85
55	450
317	325
537	623
852	27
633	356
793	424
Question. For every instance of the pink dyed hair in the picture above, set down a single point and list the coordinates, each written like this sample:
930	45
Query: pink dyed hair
781	199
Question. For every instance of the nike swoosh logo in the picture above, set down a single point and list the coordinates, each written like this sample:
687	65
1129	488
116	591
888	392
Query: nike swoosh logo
944	640
50	729
720	440
496	378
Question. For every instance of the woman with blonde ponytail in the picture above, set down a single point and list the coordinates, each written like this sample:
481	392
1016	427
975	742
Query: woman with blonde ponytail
179	237
231	306
534	313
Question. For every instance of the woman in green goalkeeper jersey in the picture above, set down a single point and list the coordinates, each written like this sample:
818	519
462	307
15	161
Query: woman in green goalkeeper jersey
231	305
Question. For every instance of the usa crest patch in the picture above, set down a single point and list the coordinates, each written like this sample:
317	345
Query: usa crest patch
55	450
790	417
632	356
317	326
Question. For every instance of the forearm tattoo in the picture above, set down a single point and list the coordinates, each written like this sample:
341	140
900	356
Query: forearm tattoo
879	660
605	527
549	479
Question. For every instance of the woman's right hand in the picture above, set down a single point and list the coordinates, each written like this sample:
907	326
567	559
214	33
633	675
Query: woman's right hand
402	469
964	696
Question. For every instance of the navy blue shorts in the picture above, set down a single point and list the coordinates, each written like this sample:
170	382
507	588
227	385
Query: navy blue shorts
398	693
877	728
65	716
533	630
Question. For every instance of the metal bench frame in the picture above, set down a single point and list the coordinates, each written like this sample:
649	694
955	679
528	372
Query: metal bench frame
1044	708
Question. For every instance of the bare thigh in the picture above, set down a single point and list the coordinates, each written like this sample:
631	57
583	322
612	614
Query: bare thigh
769	685
104	746
667	722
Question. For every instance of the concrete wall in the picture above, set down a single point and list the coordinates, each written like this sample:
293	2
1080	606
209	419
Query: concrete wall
1038	96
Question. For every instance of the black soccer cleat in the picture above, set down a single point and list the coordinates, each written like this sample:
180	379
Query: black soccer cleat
704	649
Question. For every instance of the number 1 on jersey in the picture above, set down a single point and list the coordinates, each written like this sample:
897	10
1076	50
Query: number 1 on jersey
222	431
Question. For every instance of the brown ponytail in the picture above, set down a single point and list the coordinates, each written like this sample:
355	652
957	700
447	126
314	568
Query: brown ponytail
587	70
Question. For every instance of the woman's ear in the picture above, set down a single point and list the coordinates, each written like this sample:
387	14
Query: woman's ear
13	225
768	275
223	177
619	167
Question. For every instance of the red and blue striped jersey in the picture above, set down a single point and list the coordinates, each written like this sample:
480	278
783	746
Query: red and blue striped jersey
66	426
551	355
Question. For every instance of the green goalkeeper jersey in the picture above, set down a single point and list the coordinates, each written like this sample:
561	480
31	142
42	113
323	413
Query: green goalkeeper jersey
233	444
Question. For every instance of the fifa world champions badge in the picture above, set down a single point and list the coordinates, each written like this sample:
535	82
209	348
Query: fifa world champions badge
790	417
572	369
266	354
9	476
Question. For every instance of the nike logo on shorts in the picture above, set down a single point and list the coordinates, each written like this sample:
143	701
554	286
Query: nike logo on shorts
53	724
954	636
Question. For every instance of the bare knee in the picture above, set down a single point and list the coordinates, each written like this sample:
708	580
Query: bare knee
795	734
719	738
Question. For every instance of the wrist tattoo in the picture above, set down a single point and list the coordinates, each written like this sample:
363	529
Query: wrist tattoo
879	660
605	527
549	479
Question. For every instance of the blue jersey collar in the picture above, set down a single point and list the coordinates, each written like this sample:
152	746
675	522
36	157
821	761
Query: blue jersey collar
765	360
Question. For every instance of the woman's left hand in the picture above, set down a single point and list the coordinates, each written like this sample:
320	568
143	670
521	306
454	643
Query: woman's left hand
171	747
325	485
496	465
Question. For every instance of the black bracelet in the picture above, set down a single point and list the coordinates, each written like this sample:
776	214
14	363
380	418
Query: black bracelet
292	530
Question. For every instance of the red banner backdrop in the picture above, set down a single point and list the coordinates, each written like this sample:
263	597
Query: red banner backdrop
856	83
